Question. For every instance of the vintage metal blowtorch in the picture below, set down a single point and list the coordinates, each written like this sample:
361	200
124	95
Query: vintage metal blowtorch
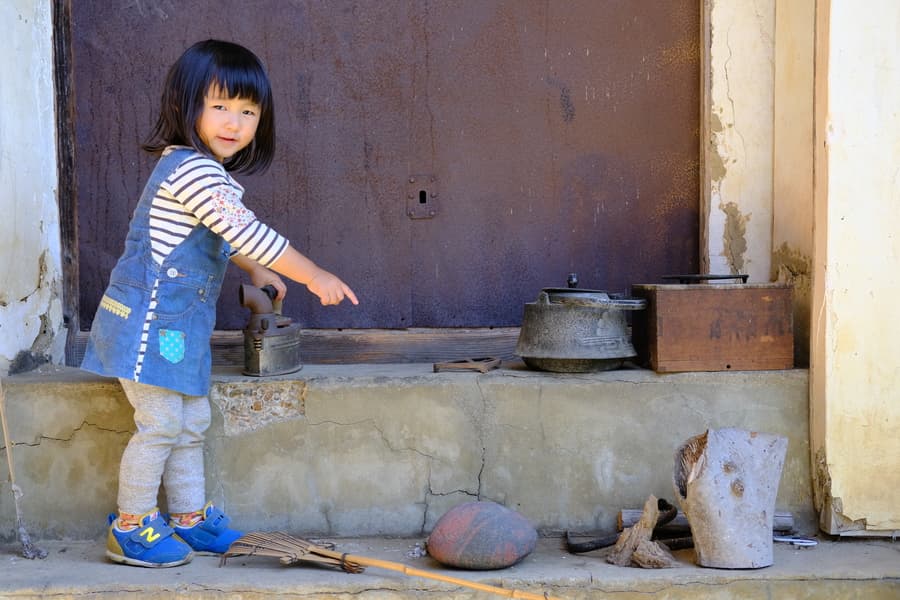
271	340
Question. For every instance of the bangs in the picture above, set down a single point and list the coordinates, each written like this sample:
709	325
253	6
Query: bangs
241	83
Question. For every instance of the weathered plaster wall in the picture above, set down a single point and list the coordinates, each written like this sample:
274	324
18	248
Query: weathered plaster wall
359	450
792	203
738	136
30	304
855	405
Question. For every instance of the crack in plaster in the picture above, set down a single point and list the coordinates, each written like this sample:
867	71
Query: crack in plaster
477	494
430	459
729	95
481	436
608	376
75	431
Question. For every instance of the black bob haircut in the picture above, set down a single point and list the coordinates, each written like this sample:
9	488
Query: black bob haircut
235	70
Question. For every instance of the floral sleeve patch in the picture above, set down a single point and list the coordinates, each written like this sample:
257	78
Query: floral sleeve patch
171	345
226	202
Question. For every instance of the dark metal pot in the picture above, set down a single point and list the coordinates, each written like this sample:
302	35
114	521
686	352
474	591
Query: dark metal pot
571	330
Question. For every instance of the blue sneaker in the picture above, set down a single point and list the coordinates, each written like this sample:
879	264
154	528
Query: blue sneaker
211	535
152	544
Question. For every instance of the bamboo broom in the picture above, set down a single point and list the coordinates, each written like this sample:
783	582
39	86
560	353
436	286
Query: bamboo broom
290	550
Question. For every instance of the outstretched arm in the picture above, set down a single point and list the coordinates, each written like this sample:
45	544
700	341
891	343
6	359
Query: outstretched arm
294	265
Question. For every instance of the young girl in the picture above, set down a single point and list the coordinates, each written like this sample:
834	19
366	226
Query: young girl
153	326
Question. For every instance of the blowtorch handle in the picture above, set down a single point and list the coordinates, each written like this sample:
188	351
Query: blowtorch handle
271	292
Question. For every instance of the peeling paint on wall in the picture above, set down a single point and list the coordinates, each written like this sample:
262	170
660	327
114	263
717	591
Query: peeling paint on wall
734	237
792	266
831	510
789	265
32	329
715	162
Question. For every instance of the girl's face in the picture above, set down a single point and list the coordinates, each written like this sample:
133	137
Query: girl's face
227	125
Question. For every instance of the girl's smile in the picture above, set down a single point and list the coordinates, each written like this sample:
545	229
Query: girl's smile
227	125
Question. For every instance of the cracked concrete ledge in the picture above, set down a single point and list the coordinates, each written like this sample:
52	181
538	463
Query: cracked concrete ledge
386	450
834	570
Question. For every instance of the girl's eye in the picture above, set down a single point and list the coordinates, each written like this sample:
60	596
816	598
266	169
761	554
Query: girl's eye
250	113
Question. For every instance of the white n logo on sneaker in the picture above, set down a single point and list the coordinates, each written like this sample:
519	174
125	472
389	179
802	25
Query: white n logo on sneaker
151	535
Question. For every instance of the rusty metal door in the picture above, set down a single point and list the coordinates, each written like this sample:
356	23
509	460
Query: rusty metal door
447	159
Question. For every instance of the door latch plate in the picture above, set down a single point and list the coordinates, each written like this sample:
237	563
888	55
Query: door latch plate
421	196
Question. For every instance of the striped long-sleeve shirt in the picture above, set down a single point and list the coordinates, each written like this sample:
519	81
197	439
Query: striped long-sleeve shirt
200	190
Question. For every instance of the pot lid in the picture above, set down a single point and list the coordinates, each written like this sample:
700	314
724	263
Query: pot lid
575	294
594	298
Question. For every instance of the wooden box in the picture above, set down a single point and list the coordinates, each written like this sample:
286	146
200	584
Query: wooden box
714	327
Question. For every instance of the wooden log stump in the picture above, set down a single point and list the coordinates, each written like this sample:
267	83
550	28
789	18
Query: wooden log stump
726	481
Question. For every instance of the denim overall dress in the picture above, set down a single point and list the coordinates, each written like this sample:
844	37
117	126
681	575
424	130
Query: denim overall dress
154	322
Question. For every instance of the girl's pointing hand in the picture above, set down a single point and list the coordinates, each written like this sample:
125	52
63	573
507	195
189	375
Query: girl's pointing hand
330	289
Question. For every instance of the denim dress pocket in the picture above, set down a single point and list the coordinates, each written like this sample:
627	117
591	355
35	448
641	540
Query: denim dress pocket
181	291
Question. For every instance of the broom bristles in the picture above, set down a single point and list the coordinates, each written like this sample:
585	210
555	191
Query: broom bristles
287	549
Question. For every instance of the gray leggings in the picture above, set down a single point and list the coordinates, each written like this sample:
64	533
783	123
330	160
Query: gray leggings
167	447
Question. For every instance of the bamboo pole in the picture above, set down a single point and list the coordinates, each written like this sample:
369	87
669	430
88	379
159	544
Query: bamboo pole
406	570
29	550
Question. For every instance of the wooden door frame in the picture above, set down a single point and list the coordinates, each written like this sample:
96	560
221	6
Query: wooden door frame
67	190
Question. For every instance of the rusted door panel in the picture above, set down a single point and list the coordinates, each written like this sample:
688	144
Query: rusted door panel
565	139
560	137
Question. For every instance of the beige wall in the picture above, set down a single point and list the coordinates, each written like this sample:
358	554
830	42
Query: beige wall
855	428
737	123
30	306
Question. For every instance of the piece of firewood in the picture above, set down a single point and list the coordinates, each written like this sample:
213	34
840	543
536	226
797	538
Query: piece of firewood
632	537
653	555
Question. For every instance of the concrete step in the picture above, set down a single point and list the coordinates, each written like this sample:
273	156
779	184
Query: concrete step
386	450
837	570
370	456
